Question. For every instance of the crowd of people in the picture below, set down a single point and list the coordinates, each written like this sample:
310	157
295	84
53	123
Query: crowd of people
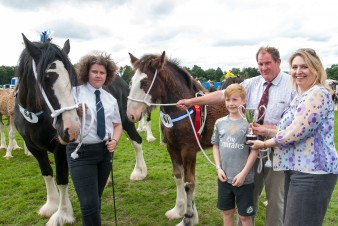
295	132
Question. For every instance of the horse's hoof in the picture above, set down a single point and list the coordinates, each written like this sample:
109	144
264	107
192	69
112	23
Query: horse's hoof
134	177
8	157
173	214
151	139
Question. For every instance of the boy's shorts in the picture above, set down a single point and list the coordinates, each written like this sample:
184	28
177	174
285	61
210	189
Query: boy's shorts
229	195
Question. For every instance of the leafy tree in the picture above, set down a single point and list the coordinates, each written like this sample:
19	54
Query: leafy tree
219	75
198	73
211	74
236	71
128	73
332	72
249	72
6	74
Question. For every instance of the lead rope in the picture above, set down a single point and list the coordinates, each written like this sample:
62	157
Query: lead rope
261	157
112	179
56	113
173	104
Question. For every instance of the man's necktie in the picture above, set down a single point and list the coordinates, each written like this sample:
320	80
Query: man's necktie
101	128
264	101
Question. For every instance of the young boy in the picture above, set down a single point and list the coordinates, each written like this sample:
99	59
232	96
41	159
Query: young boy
234	160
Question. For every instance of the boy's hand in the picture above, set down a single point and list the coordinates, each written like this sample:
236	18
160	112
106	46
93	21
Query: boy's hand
221	175
238	180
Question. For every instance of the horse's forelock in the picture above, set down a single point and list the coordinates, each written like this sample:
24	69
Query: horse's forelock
149	63
49	53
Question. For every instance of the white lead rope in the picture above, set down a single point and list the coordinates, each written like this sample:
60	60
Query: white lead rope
56	113
173	104
192	125
74	154
261	157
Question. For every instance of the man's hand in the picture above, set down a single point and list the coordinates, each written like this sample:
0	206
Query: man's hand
184	104
265	131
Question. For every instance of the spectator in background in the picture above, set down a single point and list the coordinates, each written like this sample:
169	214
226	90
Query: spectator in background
212	87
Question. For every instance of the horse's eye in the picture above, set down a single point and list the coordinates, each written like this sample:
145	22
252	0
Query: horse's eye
46	78
144	83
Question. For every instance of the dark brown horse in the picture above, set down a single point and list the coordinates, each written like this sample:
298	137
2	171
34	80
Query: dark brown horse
160	80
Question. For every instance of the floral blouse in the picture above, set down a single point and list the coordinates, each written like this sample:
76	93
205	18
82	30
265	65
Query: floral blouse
305	134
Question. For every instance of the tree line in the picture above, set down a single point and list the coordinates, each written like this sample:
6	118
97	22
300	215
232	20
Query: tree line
8	72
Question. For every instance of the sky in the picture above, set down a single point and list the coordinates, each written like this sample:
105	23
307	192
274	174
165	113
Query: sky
206	33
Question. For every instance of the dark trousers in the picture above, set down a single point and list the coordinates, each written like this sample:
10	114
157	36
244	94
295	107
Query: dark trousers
89	173
307	197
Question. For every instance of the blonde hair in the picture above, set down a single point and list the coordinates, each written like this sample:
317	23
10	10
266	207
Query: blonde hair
235	89
315	66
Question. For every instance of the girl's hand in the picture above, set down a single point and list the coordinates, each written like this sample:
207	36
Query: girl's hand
111	145
79	110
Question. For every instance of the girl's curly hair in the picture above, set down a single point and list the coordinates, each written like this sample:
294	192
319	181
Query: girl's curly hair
100	58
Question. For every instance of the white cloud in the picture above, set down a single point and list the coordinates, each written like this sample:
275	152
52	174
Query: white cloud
210	33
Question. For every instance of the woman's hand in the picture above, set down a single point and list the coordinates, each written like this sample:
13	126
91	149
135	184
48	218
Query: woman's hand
256	144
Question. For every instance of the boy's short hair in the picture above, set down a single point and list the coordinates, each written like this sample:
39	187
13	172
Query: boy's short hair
235	89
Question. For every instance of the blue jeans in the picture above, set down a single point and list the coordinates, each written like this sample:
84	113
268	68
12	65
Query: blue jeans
307	197
89	173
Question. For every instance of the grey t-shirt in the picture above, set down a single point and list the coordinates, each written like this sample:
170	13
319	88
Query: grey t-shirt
229	136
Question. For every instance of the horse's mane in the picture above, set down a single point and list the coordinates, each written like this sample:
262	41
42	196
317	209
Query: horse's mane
171	67
49	53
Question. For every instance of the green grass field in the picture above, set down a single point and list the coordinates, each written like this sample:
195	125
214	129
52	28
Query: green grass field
144	203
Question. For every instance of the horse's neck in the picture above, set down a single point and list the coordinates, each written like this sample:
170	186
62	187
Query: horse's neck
175	90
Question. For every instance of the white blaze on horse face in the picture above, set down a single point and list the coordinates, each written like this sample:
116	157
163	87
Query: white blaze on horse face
135	108
63	92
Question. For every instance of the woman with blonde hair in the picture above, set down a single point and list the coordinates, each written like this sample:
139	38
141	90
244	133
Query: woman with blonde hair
305	141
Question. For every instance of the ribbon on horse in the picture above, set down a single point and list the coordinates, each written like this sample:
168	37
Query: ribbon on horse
197	123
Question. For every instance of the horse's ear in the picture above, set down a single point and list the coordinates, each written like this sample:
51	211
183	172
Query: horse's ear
66	47
162	60
33	50
133	59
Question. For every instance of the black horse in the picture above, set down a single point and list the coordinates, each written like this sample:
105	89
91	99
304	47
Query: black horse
46	77
120	90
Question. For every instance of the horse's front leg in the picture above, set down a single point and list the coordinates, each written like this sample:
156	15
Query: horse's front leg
64	213
52	202
189	163
2	134
181	197
140	168
12	144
